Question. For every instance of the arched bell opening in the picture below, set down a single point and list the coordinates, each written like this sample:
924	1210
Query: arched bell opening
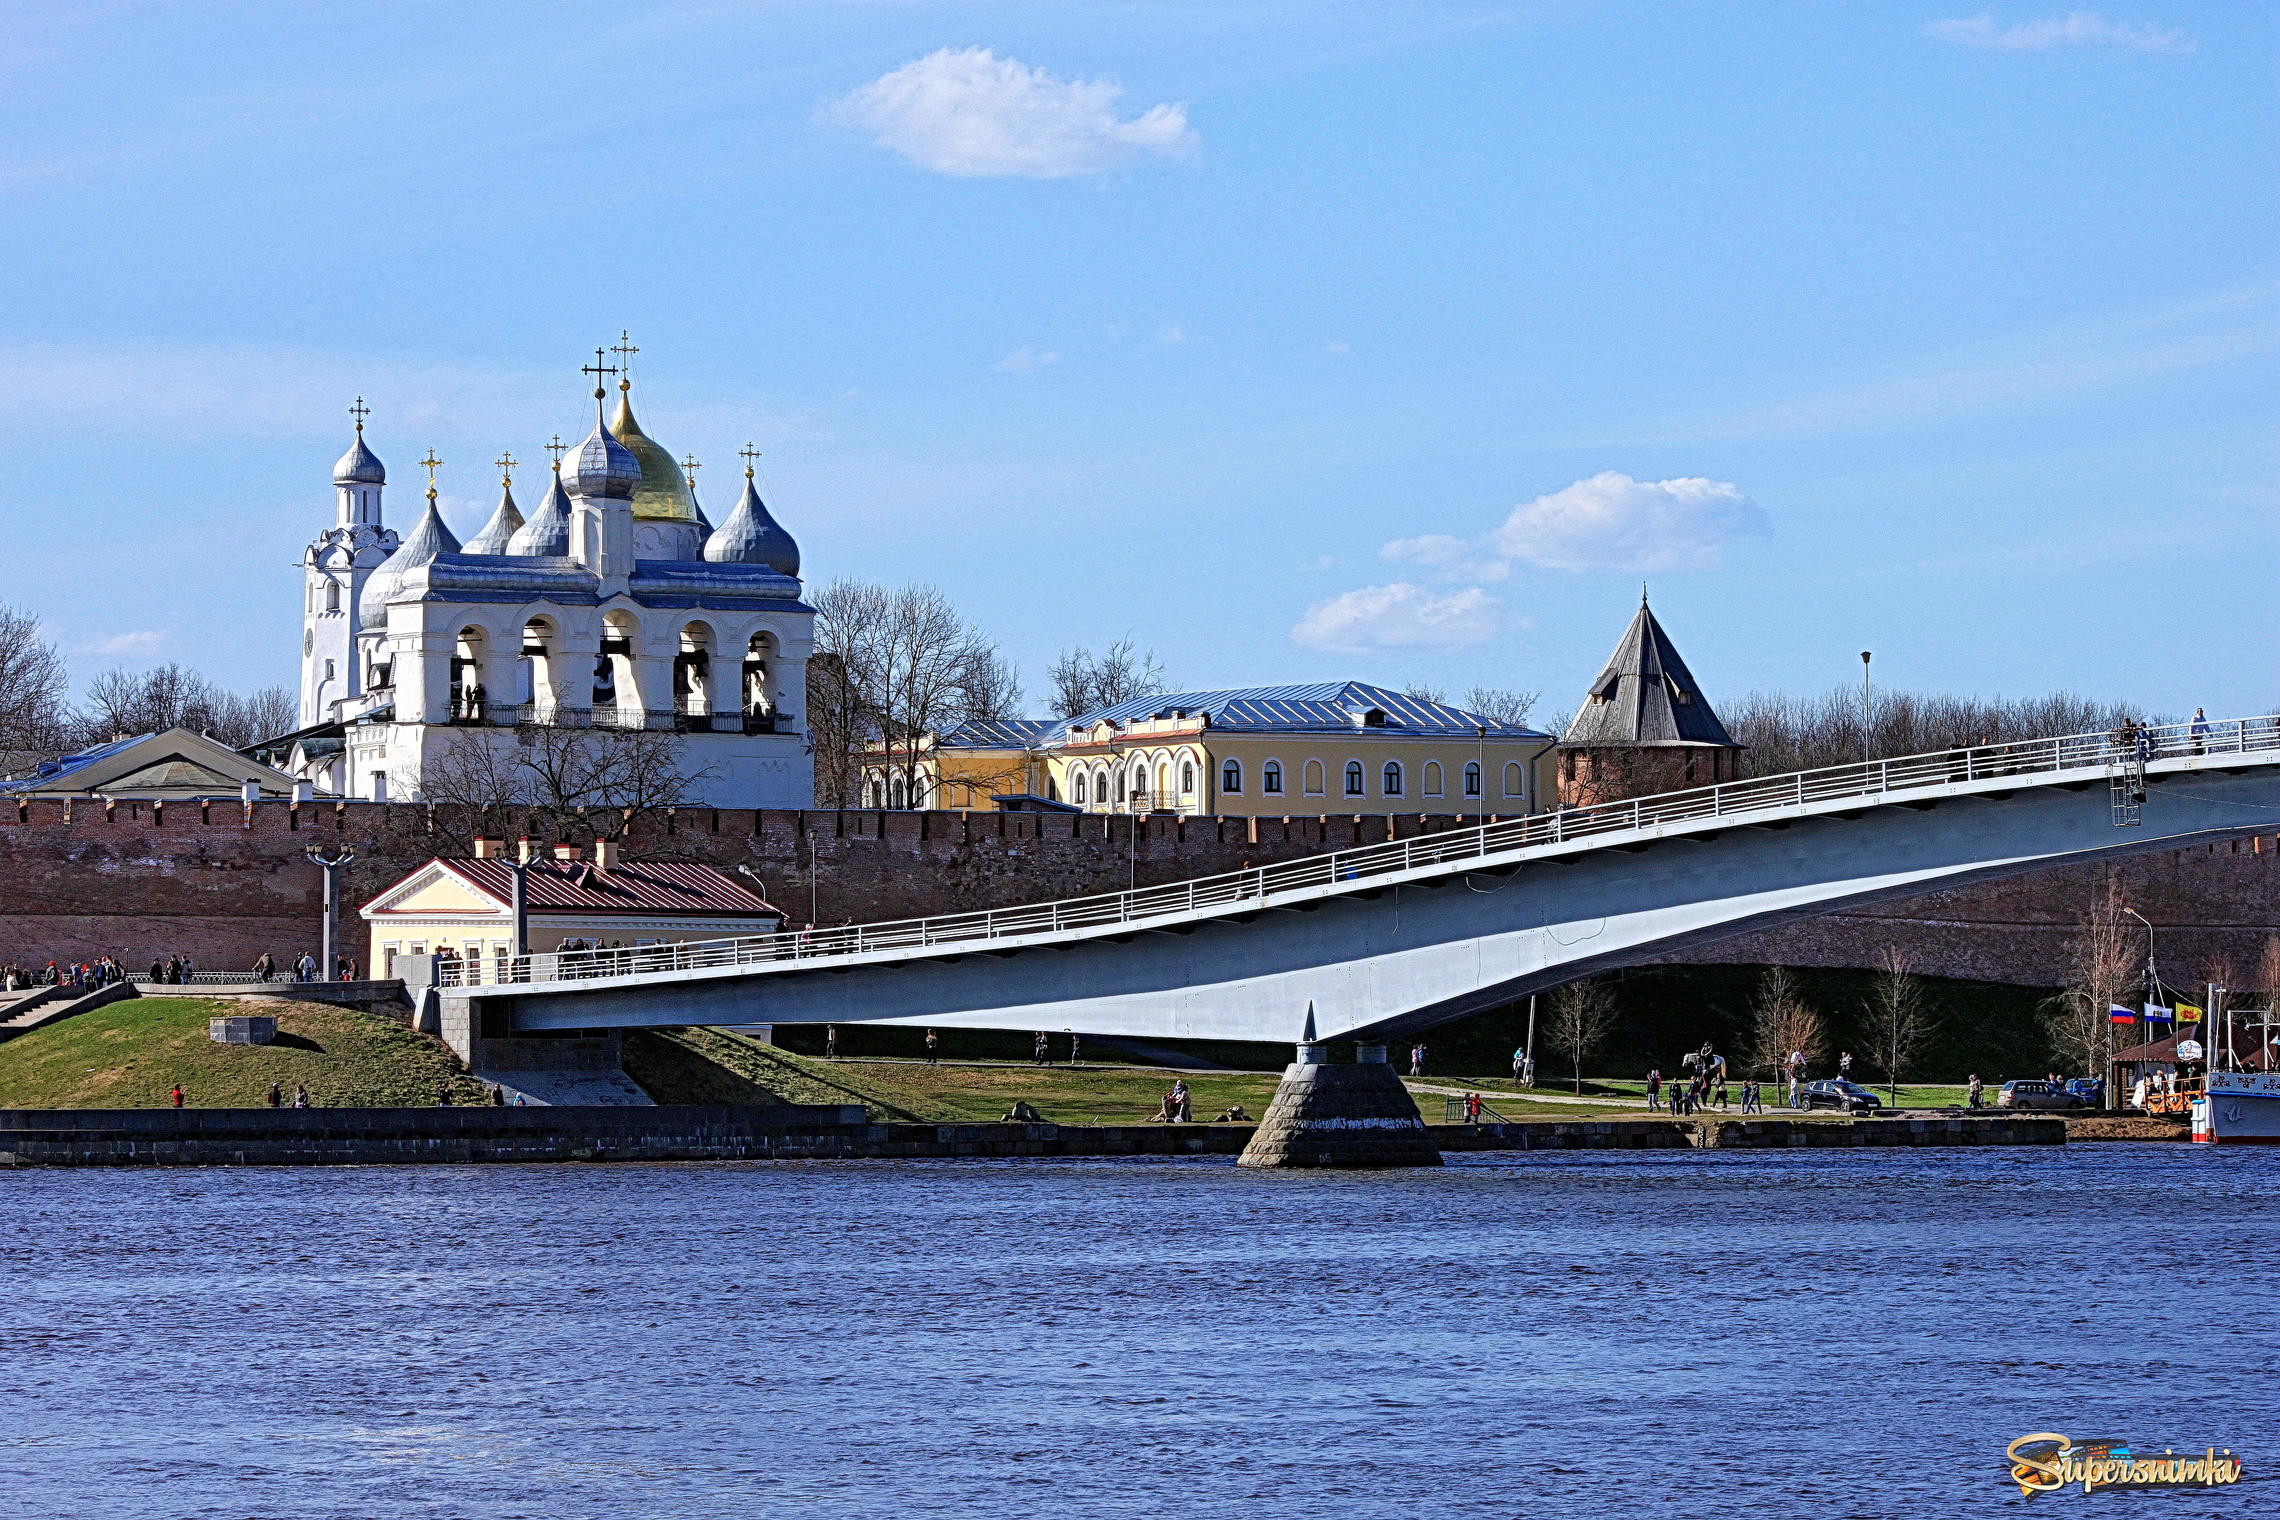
759	675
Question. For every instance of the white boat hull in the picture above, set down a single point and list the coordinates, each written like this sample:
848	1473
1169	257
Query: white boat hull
2240	1108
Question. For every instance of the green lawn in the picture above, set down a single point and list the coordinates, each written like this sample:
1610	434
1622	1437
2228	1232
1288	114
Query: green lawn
129	1054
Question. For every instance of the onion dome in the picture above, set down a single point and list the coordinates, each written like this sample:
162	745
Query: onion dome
501	528
752	537
428	538
359	466
548	530
663	495
601	466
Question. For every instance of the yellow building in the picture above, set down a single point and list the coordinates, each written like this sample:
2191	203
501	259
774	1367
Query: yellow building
1331	747
965	767
465	908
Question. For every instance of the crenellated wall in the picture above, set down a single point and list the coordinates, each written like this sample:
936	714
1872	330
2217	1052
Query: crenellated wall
222	883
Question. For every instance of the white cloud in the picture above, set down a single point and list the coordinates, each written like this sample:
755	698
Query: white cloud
966	111
1612	522
1022	360
2074	29
1453	558
1400	616
123	645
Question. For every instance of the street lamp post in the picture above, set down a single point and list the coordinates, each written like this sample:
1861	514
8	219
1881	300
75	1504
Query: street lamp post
331	865
2152	989
1867	709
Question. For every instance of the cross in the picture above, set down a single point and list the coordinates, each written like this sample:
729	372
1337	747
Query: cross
360	411
506	463
558	448
625	350
689	468
431	462
597	369
749	454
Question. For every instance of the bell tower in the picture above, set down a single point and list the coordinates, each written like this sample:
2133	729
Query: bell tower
333	572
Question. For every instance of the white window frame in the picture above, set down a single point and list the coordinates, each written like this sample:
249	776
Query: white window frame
1356	778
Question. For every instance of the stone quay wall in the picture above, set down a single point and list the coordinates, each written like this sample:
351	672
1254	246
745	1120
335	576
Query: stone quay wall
222	883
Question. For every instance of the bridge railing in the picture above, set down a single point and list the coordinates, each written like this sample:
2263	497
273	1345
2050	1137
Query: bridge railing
1865	780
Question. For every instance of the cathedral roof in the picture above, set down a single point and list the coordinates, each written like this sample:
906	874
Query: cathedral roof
548	530
663	495
359	466
500	530
752	537
1646	696
429	537
601	466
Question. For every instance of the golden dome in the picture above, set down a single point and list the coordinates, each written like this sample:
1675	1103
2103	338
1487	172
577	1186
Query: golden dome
663	495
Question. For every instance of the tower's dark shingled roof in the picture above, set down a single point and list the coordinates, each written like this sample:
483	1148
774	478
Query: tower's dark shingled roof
1646	696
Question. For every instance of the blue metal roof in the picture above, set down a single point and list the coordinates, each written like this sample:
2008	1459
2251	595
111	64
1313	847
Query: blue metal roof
49	771
1319	707
997	733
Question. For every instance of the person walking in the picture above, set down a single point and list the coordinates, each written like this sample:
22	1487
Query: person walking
305	969
275	1097
1654	1091
2199	730
1796	1090
1724	1101
498	1096
933	1047
263	966
1472	1108
1978	1090
1041	1054
1417	1059
300	1096
831	1042
175	1097
1520	1066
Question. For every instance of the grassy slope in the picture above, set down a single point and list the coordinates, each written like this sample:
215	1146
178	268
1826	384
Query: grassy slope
128	1054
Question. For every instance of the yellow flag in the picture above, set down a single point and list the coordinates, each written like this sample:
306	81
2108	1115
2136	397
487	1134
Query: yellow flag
2188	1014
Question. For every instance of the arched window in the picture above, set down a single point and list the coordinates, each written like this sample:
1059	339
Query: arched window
1231	777
898	795
1270	778
1353	778
1472	779
332	596
1120	786
1187	778
1432	778
1163	779
1080	796
1513	784
1392	778
1313	778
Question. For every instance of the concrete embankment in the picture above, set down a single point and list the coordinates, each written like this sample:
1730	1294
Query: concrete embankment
380	1136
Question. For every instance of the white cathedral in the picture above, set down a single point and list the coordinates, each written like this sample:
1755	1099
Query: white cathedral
615	605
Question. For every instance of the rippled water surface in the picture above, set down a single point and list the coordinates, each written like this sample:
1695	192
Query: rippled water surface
1833	1334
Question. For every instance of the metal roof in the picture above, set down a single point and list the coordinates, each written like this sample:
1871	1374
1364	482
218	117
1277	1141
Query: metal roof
48	772
997	733
1646	696
639	887
1319	707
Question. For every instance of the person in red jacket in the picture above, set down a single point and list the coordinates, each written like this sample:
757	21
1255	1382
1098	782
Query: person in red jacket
175	1097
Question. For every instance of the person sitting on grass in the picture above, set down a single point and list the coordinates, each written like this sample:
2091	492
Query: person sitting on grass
1023	1112
1235	1115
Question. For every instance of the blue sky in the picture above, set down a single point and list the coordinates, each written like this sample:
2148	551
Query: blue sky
1296	340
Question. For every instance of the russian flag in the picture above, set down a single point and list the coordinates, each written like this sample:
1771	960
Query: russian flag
2117	1014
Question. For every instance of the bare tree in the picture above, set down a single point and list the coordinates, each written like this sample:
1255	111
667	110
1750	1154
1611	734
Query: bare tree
1785	733
1501	703
120	704
2102	972
565	781
1899	1019
1085	682
33	686
1581	1015
1782	1022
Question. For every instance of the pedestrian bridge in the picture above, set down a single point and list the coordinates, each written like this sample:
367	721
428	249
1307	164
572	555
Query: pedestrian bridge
1390	939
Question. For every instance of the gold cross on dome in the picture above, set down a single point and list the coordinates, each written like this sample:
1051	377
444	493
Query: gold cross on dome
558	448
431	462
625	350
360	411
506	463
749	454
689	468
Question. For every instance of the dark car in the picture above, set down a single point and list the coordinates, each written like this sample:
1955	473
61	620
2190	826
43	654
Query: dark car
2087	1091
2027	1093
1845	1097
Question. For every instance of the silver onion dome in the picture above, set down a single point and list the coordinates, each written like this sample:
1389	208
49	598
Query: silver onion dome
359	466
602	466
428	538
548	530
751	536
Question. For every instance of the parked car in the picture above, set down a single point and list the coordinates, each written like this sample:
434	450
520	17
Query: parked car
1845	1097
2088	1091
2026	1093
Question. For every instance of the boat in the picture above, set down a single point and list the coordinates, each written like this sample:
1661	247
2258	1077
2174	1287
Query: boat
2238	1108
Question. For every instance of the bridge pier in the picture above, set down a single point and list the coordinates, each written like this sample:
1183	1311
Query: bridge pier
1341	1116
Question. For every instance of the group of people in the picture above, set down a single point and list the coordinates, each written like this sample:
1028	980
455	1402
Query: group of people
80	976
306	969
1178	1107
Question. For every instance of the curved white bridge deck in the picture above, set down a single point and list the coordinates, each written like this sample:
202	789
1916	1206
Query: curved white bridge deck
1402	935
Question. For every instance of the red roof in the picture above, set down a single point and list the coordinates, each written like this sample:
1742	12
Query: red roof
642	887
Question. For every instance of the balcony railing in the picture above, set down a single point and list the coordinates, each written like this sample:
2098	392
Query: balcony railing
2110	754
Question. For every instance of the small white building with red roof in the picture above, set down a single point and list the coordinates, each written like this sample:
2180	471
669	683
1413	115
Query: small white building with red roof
465	907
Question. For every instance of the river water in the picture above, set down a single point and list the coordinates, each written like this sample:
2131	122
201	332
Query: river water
1644	1334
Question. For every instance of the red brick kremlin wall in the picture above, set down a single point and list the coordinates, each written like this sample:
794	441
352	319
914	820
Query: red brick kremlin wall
140	880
